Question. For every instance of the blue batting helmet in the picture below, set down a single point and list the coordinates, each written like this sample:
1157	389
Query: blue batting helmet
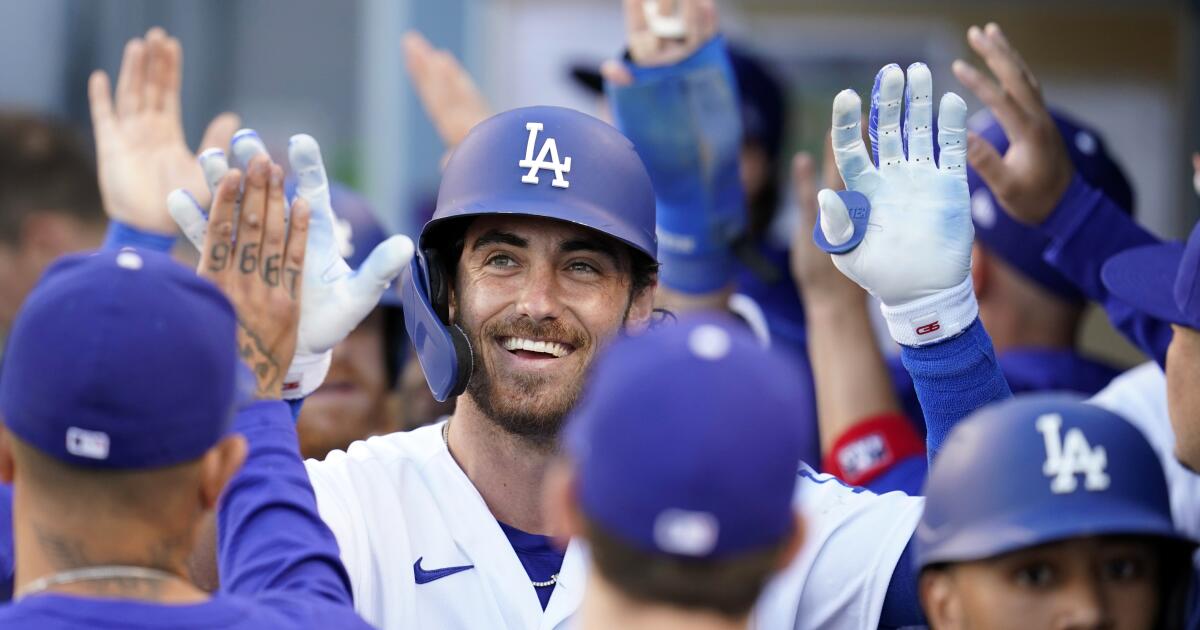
548	162
1040	469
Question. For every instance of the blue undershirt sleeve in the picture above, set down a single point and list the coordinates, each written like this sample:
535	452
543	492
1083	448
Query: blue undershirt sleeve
902	604
953	378
7	559
269	533
124	235
683	121
1085	230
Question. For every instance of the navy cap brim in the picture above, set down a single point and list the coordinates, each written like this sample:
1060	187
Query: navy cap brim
1144	278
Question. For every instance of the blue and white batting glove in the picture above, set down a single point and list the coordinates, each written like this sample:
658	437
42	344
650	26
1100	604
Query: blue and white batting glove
334	297
909	241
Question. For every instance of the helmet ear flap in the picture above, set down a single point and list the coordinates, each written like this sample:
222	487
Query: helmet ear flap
438	284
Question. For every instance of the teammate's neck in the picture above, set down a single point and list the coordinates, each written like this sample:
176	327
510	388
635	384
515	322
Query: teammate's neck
605	607
48	544
506	470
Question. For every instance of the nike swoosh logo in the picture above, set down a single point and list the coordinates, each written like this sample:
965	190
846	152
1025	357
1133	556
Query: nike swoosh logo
424	577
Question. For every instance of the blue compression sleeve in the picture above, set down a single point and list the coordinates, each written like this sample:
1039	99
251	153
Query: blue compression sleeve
8	562
1085	230
124	235
269	534
954	378
684	123
901	603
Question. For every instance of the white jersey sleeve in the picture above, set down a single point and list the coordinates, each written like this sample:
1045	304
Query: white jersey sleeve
1140	396
853	540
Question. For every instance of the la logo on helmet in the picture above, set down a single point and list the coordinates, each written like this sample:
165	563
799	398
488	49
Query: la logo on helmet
549	149
1069	456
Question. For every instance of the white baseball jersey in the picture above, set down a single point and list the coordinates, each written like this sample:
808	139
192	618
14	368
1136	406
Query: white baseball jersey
1140	396
396	500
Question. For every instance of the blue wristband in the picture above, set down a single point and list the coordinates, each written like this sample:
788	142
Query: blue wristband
124	235
684	123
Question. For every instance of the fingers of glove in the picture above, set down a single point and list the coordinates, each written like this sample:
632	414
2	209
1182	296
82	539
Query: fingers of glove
189	216
952	134
131	77
274	228
297	243
884	128
216	250
379	269
849	150
253	214
304	155
245	145
214	165
918	115
834	217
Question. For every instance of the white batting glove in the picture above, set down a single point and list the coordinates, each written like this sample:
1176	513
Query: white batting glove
334	297
916	253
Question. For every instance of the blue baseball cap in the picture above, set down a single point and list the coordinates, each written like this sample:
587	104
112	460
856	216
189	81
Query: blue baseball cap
122	360
1161	280
1039	469
684	441
1019	245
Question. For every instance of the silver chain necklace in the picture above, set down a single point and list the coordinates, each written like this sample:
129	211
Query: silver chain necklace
88	574
446	440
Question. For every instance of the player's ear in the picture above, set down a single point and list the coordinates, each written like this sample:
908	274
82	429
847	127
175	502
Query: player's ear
641	309
7	469
218	465
793	544
939	599
559	501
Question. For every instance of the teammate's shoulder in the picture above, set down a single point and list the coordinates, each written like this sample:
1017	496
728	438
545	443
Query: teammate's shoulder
1139	394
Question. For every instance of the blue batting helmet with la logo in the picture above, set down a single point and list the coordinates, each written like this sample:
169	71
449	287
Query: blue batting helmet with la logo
1040	469
548	162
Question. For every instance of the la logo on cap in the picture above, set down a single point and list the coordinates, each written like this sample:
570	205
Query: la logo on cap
549	149
1071	455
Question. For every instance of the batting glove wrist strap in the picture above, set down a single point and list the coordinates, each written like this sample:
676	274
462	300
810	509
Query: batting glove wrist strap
306	374
933	318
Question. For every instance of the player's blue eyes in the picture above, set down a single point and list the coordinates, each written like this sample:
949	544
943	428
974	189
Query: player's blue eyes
1035	576
582	267
500	260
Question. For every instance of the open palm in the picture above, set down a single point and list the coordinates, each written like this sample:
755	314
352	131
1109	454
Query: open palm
141	152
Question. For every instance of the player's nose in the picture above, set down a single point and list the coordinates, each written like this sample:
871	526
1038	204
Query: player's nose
540	297
1085	605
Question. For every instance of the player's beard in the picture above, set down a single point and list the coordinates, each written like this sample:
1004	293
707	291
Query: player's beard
525	405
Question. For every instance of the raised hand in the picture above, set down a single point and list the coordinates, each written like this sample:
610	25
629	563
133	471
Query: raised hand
650	46
1031	177
260	271
448	93
816	277
915	221
141	153
336	298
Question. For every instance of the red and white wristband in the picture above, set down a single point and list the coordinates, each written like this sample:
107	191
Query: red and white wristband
872	447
